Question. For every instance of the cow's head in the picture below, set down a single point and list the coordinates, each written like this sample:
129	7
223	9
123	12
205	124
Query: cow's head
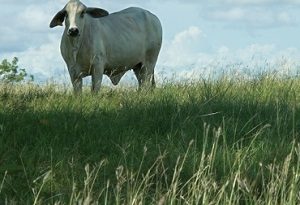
73	14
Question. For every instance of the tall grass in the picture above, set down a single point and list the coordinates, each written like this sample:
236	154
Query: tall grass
209	142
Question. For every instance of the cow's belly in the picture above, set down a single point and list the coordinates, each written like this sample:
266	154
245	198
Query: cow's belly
110	67
124	52
123	63
118	68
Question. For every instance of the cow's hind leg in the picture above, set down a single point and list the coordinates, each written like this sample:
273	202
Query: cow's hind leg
145	75
138	73
145	72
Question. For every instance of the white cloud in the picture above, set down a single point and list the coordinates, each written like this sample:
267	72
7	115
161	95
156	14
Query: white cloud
232	14
179	50
284	17
25	25
34	18
254	16
257	2
191	34
44	61
256	51
181	58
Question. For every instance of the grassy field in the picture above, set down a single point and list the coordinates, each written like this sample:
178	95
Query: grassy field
208	142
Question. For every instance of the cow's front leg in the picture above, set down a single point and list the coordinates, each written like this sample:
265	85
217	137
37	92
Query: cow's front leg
77	84
97	75
76	79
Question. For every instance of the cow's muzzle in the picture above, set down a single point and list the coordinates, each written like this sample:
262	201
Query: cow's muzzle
74	32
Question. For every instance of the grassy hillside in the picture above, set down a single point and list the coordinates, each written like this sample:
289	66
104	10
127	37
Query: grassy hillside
208	142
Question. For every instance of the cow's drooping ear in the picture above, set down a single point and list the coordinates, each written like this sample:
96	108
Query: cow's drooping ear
58	19
96	12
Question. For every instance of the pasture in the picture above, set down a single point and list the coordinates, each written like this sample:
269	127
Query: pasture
208	142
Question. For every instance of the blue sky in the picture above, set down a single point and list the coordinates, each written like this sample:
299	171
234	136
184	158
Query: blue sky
202	38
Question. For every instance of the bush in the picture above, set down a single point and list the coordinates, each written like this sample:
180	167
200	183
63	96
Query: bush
11	73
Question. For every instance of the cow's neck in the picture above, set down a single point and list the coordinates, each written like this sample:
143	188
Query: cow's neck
75	44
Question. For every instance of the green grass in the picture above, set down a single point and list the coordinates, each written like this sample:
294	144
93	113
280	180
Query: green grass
208	142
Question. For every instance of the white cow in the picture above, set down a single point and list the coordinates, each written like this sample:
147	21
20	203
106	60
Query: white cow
95	42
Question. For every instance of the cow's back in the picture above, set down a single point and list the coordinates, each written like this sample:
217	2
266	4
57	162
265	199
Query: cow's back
132	32
141	16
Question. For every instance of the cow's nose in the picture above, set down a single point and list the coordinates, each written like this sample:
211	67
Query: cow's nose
73	32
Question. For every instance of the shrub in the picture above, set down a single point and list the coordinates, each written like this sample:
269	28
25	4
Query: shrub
11	73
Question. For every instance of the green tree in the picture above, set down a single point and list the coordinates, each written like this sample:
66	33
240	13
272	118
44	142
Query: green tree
11	73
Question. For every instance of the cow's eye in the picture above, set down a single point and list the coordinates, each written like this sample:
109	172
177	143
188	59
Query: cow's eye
82	14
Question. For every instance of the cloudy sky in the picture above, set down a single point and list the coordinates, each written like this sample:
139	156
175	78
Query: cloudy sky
202	38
